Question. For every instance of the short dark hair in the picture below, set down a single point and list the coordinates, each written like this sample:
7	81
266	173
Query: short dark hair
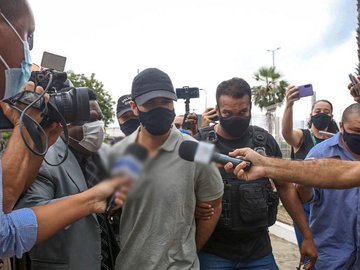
322	100
353	108
13	10
235	88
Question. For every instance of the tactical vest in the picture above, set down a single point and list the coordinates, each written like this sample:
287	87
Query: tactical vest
246	206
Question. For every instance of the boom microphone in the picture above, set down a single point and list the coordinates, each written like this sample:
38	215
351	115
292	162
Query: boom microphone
129	164
203	152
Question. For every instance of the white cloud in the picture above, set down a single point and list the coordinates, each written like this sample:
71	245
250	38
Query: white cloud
200	42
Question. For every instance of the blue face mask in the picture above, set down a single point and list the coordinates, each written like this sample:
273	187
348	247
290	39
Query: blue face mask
16	78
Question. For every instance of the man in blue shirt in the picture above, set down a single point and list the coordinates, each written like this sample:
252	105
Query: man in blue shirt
21	229
335	213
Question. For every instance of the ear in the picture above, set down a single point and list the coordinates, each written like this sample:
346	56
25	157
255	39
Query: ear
134	108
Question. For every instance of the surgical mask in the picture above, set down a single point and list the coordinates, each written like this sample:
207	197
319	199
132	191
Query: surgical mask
352	140
157	121
93	136
16	78
321	121
129	126
235	126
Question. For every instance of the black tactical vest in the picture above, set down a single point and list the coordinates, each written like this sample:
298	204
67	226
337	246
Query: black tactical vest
246	206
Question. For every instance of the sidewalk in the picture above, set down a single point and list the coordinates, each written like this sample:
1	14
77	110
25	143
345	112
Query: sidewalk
286	254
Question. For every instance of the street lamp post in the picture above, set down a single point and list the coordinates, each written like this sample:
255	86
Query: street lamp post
205	97
273	55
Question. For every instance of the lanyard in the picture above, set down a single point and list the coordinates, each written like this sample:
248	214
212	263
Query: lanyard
313	138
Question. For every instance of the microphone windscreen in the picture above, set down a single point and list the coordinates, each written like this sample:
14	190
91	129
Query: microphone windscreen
187	150
131	162
137	151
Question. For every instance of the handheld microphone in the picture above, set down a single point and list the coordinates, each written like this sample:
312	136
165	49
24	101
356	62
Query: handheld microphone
129	164
203	152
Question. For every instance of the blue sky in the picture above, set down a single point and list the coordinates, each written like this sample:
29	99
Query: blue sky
203	42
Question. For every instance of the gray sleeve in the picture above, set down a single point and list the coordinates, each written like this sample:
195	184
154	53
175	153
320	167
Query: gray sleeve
41	192
208	183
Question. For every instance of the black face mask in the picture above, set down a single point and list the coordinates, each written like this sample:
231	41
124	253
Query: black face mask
321	120
129	126
352	140
157	121
235	126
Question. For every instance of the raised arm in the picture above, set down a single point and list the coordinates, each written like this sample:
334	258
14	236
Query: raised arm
292	136
19	165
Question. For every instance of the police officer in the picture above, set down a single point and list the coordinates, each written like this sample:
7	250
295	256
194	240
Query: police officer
241	239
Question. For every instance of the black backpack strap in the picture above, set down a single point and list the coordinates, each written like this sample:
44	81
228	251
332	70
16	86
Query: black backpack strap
259	136
208	134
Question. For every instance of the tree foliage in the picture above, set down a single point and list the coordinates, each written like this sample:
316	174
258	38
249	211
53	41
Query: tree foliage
272	89
103	97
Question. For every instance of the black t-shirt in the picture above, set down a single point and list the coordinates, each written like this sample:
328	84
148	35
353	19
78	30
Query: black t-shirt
234	245
306	145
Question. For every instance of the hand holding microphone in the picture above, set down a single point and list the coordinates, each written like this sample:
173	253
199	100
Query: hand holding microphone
128	165
204	153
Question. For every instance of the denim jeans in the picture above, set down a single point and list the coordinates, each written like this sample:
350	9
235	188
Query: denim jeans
209	261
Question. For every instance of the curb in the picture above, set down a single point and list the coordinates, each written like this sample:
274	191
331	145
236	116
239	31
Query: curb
284	231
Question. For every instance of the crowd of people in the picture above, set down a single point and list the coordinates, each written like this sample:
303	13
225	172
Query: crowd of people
177	214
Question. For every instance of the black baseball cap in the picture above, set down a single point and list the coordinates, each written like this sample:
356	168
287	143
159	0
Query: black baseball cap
123	105
152	83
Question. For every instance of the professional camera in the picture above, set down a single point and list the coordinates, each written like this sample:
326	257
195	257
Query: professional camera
187	93
66	104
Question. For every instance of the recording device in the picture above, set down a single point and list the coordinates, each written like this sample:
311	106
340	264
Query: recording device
305	90
65	101
66	104
203	152
130	164
187	93
353	82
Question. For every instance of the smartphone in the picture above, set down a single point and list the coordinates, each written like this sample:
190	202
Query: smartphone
353	82
305	90
215	117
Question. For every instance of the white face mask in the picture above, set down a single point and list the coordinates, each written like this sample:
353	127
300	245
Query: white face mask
93	136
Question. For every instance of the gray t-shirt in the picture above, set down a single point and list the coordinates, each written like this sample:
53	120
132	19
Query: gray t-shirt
157	227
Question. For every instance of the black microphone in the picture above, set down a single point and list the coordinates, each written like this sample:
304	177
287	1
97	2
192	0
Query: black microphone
129	164
203	152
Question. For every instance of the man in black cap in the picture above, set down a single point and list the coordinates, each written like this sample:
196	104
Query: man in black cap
157	227
128	121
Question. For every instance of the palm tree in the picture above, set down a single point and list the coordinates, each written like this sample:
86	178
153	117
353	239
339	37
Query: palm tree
270	94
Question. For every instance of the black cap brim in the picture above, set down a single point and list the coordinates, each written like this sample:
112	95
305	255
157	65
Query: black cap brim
140	100
121	112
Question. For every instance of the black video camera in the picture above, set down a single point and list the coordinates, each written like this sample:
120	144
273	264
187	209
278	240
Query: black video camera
187	93
65	101
66	104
